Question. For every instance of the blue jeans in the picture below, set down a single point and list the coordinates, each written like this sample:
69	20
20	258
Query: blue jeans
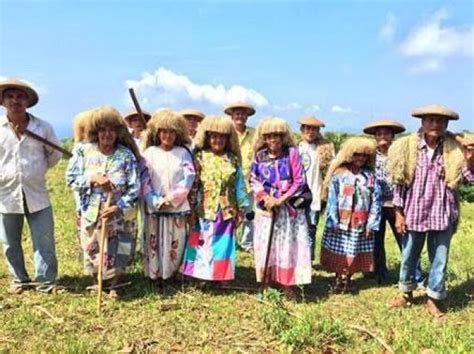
380	261
438	252
42	234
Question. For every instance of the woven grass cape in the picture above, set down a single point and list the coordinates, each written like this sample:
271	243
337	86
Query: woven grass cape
402	157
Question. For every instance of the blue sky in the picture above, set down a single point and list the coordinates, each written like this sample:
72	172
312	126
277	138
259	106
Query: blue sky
347	62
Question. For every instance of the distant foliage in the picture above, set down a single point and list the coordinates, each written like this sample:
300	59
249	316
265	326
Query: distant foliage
466	193
336	138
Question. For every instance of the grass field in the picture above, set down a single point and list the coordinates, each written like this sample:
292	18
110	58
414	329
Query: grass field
177	319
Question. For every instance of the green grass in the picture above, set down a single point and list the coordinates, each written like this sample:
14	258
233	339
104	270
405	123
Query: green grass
213	320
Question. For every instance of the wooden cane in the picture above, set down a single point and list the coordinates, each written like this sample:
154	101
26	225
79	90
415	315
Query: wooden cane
267	257
137	105
103	235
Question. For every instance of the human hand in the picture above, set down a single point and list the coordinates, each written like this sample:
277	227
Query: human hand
166	205
400	224
109	212
269	203
369	233
102	182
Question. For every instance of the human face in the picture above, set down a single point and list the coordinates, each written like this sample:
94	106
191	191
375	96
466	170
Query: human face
309	133
274	142
434	126
15	101
240	116
383	137
167	138
136	125
107	136
360	160
217	142
192	123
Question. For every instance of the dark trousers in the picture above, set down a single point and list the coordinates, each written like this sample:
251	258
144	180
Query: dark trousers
380	261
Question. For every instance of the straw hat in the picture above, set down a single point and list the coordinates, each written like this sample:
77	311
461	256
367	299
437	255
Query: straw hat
132	113
384	123
229	108
311	121
19	85
192	113
435	110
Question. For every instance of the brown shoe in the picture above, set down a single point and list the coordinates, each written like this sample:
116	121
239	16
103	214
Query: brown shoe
403	301
434	308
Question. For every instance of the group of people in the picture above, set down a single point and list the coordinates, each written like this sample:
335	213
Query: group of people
186	187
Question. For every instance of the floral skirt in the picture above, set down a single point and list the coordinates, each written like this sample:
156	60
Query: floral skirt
119	248
164	243
347	252
290	256
210	251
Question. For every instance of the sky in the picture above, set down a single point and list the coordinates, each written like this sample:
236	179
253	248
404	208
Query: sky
346	62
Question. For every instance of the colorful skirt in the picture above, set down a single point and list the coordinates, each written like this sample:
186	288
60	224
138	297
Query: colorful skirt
164	243
347	252
290	257
210	251
119	248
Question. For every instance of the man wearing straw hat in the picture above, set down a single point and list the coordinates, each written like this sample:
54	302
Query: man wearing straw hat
193	118
316	154
239	112
384	131
137	125
426	169
23	194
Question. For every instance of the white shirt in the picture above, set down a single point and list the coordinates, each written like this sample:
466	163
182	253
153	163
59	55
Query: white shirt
312	171
23	166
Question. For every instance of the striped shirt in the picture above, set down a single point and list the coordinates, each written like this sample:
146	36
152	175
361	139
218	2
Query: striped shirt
428	203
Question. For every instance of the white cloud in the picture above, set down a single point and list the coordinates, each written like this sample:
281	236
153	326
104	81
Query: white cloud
433	42
167	88
341	110
289	107
313	108
425	66
387	32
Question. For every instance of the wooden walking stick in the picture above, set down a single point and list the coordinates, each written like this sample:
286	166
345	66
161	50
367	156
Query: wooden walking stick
103	235
267	256
137	105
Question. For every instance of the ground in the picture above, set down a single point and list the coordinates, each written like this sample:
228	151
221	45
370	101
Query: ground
146	319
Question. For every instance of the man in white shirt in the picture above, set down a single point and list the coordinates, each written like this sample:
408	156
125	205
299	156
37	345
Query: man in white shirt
316	155
23	194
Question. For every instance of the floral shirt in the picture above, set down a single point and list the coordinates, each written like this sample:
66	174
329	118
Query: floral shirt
220	185
276	176
120	167
354	201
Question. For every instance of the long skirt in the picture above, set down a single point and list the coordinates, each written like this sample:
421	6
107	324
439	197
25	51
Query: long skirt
290	257
347	252
119	248
210	252
164	243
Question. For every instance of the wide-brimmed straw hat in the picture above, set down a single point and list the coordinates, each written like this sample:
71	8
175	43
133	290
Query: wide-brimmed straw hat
229	108
133	113
192	113
311	121
19	85
384	123
435	110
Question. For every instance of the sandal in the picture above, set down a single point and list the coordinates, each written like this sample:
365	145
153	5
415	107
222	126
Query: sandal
403	301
